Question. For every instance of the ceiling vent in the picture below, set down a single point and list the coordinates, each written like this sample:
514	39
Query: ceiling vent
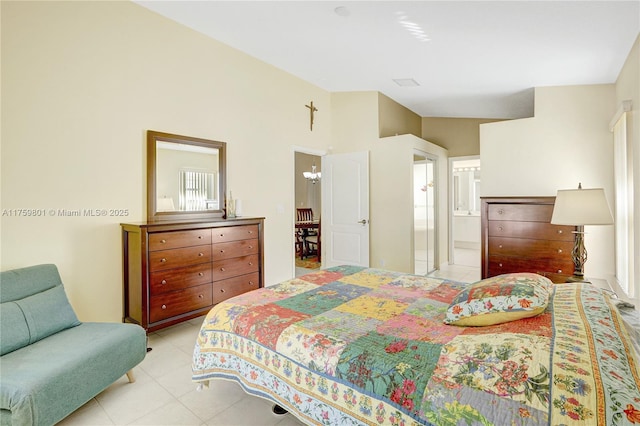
406	82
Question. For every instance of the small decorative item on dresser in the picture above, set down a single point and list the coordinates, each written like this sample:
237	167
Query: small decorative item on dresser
581	207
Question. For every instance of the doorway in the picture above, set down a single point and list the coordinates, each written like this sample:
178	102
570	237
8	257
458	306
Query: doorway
465	219
308	195
424	213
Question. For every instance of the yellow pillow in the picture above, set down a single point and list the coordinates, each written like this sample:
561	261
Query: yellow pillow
500	299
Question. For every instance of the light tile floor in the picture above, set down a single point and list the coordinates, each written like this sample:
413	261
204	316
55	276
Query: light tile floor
164	394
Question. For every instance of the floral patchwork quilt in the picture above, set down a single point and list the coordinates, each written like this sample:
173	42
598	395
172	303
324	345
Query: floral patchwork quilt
351	345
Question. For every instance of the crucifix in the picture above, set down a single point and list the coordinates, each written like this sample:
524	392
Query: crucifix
312	109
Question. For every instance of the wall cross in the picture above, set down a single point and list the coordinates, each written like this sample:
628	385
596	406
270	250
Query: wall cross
312	109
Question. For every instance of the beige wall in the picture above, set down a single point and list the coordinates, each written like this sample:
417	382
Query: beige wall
459	136
567	142
395	119
81	84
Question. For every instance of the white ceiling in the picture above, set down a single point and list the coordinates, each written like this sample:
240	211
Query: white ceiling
470	58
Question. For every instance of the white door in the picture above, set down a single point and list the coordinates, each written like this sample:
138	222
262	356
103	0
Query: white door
345	209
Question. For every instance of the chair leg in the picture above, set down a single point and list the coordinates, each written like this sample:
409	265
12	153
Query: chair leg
130	376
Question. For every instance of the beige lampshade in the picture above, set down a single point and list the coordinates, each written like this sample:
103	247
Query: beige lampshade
577	207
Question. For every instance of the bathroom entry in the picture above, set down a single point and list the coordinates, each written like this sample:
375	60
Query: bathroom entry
465	220
424	213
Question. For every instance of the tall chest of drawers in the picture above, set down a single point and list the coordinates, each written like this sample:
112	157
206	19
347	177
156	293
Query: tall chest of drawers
174	271
517	236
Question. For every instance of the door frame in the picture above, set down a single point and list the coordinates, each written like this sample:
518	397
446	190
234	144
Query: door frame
302	150
451	207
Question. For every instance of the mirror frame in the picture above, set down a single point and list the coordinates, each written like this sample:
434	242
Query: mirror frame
152	214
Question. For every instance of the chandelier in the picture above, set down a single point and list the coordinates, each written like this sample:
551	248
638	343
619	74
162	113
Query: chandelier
313	176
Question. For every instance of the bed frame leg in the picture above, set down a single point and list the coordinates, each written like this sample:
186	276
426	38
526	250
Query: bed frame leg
278	410
130	376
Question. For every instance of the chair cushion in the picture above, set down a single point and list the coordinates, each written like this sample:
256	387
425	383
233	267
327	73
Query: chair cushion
19	283
47	313
500	299
13	328
35	317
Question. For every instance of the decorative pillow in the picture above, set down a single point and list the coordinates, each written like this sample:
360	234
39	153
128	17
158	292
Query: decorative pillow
500	299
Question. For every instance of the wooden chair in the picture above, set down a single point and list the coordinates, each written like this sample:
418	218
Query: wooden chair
297	235
313	244
305	215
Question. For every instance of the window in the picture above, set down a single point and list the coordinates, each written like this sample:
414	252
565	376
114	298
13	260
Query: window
623	202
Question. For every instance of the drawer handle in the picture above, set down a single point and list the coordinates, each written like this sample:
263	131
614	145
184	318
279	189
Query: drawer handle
499	228
163	282
500	211
221	235
200	296
559	250
221	251
201	274
250	247
200	254
163	260
500	265
221	269
251	232
559	231
163	241
250	263
250	282
164	306
222	290
559	271
500	246
200	237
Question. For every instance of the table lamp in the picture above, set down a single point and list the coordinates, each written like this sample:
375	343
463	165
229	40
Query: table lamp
579	207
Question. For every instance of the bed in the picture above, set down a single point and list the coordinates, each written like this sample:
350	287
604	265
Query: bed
351	345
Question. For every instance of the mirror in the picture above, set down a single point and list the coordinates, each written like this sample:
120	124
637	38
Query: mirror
466	187
186	177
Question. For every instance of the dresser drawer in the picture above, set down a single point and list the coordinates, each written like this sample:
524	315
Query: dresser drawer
225	289
234	233
535	249
227	268
167	259
179	302
235	249
506	265
535	230
176	239
520	212
179	278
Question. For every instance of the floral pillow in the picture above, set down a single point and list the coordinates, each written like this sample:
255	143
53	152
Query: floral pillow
499	299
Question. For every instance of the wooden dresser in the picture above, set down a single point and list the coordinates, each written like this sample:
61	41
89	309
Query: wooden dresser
177	270
517	236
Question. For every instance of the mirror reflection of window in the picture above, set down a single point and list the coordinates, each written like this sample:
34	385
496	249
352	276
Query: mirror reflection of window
196	190
188	175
